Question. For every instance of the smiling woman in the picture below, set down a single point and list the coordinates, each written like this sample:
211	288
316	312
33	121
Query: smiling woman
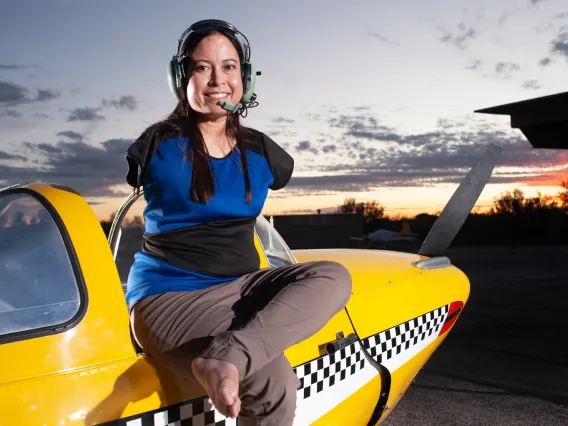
200	303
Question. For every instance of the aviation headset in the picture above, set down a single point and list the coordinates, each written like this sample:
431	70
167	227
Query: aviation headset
178	70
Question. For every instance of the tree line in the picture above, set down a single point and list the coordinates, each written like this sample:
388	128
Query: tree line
513	219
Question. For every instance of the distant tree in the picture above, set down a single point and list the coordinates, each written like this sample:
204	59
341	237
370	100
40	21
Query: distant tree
509	202
370	210
563	195
349	206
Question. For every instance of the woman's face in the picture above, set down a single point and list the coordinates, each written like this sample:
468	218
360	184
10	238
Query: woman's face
215	76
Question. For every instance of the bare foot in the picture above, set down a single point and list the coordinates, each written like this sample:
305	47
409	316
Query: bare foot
221	382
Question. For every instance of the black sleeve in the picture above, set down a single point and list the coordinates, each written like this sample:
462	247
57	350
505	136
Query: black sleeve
138	159
280	162
139	154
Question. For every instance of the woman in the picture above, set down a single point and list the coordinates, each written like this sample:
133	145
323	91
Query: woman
199	302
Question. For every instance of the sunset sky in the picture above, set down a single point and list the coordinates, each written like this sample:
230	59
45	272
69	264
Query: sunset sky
373	99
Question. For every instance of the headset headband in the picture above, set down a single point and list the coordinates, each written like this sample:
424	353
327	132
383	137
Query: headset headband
209	24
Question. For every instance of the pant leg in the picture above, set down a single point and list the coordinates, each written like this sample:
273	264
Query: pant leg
292	303
174	327
268	397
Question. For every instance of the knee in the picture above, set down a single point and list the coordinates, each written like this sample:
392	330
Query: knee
337	275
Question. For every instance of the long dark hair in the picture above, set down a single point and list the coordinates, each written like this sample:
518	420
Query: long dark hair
183	122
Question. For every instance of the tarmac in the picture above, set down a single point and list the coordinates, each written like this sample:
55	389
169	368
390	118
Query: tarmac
505	362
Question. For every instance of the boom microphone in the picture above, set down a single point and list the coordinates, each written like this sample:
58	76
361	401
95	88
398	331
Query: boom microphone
228	106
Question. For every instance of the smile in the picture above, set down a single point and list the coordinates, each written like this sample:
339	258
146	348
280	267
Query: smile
216	95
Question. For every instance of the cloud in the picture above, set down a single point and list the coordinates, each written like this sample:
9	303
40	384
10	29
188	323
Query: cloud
382	38
545	62
13	113
306	146
78	137
12	94
283	120
128	102
368	154
12	67
46	95
474	65
506	68
91	170
531	84
85	114
464	34
559	45
7	156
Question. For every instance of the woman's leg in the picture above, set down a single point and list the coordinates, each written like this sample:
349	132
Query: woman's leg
268	397
227	333
280	307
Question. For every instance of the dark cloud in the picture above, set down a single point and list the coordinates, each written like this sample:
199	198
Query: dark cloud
11	67
306	146
128	102
545	62
382	38
47	95
78	137
329	148
13	113
12	94
7	156
369	154
85	114
91	170
531	84
462	36
559	45
506	68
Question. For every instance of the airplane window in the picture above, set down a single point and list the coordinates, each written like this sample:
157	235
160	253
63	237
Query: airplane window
37	284
277	251
129	239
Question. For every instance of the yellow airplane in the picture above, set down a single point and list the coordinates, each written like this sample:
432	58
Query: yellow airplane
69	357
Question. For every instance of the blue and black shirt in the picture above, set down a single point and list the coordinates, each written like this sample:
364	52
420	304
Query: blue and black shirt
188	245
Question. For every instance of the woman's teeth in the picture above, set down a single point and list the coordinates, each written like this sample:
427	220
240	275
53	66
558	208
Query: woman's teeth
217	95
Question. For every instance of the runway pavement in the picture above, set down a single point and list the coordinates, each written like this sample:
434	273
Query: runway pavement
506	360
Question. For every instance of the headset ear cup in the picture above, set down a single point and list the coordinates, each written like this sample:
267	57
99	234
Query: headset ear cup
172	78
249	81
176	78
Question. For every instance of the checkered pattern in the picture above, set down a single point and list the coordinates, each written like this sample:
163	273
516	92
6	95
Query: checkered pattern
197	412
386	344
322	373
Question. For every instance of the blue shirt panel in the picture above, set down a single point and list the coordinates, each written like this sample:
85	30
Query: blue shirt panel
169	206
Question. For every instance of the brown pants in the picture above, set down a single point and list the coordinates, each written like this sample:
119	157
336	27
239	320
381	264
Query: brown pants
249	322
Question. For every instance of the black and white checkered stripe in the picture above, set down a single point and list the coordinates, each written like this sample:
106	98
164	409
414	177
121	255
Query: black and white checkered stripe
320	380
389	343
197	412
328	370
